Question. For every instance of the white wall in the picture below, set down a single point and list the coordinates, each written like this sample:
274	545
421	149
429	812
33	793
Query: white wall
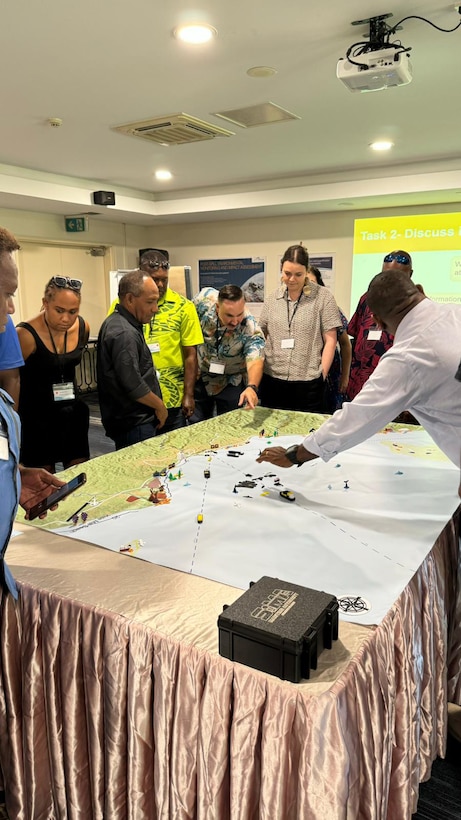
123	241
269	237
189	242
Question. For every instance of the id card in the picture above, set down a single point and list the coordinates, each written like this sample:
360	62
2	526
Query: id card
64	391
154	347
217	367
374	335
287	344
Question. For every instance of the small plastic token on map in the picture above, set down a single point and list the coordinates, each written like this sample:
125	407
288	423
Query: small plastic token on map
353	605
288	495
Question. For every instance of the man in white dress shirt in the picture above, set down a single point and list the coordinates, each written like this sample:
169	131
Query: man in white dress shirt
416	374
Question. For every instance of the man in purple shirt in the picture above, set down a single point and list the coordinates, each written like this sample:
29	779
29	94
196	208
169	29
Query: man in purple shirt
369	341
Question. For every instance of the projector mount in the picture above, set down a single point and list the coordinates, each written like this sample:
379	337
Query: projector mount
376	40
380	33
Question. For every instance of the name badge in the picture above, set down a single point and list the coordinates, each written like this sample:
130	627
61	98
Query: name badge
217	367
154	347
374	335
287	344
64	391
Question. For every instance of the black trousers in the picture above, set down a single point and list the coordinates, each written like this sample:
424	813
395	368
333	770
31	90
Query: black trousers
280	394
207	406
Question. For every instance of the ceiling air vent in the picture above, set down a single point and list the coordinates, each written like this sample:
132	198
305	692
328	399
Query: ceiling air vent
262	114
176	129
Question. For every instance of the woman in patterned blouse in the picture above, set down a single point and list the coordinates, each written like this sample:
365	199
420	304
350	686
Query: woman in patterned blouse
300	321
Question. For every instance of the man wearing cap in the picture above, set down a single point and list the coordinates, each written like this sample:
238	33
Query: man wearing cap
172	338
369	341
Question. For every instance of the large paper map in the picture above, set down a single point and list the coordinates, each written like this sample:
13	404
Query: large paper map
357	527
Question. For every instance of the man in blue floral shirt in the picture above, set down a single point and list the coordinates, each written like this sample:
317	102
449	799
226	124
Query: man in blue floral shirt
231	358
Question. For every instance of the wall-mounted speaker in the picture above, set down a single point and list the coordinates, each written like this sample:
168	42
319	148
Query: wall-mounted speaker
103	198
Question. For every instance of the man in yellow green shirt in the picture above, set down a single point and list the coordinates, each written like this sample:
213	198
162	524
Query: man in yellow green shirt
172	337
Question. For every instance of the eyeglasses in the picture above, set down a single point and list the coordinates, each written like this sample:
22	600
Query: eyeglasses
401	258
65	282
157	265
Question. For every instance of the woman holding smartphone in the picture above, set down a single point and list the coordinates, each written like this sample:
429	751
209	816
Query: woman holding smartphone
54	421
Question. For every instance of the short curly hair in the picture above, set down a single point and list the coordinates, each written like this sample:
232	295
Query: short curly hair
8	242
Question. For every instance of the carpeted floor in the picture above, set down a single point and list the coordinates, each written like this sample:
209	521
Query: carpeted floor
440	797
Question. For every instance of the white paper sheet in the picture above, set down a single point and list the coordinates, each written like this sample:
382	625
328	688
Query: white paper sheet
360	525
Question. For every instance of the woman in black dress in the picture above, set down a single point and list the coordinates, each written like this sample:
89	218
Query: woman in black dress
54	421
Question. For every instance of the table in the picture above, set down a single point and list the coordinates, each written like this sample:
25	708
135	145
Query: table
115	704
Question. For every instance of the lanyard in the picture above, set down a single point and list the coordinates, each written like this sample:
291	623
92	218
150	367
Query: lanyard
218	339
60	363
290	321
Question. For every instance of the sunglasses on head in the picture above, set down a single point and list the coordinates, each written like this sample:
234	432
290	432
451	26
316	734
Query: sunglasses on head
401	258
65	282
157	265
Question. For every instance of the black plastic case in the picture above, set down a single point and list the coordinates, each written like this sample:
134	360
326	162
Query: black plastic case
279	628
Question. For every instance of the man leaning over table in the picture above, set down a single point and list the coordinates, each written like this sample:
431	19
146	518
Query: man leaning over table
231	358
23	485
129	393
416	374
172	337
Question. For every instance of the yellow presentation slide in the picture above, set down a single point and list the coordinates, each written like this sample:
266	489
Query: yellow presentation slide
432	240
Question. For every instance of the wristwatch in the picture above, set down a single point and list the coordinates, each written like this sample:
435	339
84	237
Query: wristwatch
253	387
292	455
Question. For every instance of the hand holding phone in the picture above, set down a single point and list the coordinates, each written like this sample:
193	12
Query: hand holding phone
54	498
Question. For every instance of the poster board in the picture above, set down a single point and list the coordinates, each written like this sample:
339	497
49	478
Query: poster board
246	272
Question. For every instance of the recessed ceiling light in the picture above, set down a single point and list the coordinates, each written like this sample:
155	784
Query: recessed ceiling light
163	175
261	71
196	34
381	145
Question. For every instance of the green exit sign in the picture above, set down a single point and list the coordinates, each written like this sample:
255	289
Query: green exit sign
76	224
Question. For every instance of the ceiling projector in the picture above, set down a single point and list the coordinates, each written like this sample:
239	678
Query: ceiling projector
376	70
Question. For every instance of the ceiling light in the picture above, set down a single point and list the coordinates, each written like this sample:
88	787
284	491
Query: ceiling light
163	175
381	145
261	71
196	34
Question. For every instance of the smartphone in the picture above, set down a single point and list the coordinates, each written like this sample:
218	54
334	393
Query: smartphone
57	496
